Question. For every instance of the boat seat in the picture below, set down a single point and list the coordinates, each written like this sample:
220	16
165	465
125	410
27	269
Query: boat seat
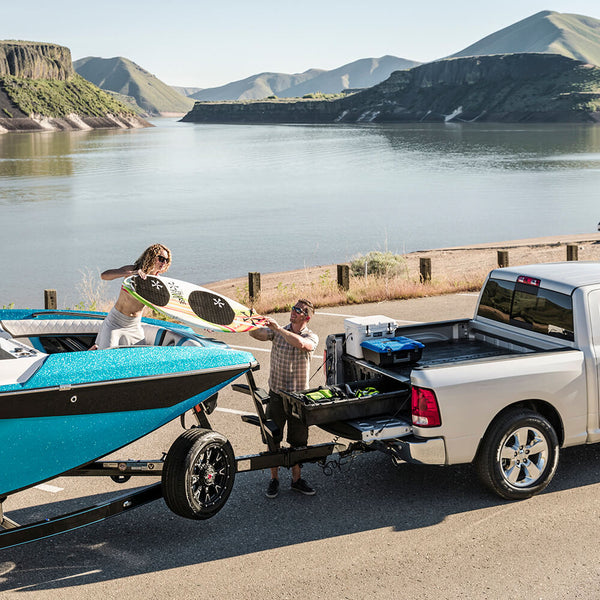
25	329
159	336
36	327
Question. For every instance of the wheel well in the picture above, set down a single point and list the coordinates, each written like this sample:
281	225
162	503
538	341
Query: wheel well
539	406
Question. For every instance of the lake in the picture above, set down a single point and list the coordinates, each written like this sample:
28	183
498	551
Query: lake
229	199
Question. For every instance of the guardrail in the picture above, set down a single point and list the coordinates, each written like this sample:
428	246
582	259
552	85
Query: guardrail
343	275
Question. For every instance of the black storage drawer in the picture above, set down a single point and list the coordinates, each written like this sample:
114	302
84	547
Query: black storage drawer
345	404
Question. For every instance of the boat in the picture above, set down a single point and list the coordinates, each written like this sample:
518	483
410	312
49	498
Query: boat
63	406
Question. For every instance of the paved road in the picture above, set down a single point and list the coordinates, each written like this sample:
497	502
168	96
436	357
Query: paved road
372	530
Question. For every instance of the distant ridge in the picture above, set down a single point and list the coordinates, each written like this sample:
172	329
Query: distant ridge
574	36
362	73
123	76
501	88
186	91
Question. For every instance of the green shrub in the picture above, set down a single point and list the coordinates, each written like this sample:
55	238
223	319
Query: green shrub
379	264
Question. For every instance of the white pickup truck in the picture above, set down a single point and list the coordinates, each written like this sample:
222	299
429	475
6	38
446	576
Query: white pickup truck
504	390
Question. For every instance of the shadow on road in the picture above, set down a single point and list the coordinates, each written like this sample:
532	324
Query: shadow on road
370	493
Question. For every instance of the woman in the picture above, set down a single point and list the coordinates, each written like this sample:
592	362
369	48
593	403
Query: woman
123	324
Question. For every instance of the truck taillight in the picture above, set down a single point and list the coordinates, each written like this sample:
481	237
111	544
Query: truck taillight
424	407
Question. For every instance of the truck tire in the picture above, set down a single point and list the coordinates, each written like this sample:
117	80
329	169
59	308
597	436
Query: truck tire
198	473
519	455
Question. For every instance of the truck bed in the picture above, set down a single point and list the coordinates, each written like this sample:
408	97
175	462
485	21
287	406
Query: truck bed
447	342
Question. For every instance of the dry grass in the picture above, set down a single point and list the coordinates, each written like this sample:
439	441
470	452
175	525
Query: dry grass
453	270
325	291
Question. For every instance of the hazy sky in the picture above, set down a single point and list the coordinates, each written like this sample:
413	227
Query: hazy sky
206	44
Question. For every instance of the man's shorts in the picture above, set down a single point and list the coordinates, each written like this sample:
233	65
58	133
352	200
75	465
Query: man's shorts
297	431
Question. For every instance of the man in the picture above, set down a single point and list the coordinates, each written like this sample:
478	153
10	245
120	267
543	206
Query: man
123	324
293	346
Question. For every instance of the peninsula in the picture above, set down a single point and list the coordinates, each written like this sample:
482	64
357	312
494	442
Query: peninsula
39	90
520	87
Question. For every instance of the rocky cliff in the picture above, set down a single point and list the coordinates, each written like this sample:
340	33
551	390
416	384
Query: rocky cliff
35	60
501	88
40	90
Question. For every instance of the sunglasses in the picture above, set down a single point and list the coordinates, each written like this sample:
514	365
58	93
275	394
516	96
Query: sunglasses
300	311
162	259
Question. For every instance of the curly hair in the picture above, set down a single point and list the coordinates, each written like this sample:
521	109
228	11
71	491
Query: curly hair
148	257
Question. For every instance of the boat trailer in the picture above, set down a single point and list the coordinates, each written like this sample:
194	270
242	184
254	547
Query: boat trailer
196	474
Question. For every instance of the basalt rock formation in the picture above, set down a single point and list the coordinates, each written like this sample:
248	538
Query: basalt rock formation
39	90
502	88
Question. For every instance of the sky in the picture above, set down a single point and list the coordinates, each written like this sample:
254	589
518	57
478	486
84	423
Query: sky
203	44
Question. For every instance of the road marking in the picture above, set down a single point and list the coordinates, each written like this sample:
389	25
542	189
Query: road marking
233	411
328	314
48	488
251	349
267	350
33	585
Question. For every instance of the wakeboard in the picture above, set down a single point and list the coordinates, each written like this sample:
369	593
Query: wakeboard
193	305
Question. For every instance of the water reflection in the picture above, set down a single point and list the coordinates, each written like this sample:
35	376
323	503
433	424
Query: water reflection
229	199
36	154
492	146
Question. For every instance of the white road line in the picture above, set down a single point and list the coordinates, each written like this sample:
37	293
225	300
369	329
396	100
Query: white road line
320	357
233	411
251	349
328	314
48	488
33	585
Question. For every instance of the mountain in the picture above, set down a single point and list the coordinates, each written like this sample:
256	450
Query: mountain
186	91
125	77
256	86
509	88
40	91
362	73
575	36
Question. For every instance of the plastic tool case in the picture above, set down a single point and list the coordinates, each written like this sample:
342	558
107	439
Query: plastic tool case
355	400
391	351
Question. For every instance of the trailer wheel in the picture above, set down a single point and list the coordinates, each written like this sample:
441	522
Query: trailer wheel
519	455
198	473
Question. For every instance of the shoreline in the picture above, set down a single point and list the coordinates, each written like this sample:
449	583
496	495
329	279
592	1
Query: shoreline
455	262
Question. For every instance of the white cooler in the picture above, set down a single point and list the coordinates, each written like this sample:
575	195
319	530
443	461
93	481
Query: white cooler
359	329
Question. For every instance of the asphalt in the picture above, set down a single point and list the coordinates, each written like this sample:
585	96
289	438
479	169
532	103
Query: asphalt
373	530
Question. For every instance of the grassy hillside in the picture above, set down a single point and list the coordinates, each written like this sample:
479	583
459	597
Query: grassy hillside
55	98
574	36
361	73
257	86
125	77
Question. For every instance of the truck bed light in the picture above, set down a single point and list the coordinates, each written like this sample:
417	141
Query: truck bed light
424	408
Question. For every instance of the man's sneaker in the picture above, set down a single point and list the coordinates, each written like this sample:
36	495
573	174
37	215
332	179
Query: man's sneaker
303	487
273	489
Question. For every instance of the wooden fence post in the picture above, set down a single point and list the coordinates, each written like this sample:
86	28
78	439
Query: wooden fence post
343	277
253	285
572	252
503	258
425	269
50	299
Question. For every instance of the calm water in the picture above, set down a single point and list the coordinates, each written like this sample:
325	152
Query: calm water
233	199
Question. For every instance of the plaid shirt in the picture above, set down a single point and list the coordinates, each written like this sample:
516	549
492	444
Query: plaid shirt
290	367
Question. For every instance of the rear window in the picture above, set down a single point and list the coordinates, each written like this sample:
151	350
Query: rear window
528	307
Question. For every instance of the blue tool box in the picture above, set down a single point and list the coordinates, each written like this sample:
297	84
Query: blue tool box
391	351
